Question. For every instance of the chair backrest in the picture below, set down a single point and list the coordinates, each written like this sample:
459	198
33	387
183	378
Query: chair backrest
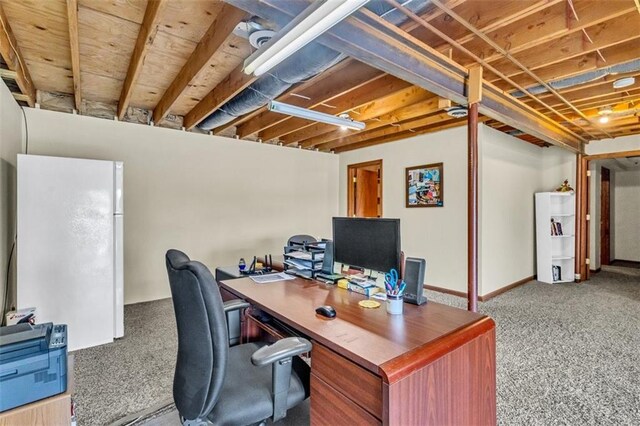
301	239
203	344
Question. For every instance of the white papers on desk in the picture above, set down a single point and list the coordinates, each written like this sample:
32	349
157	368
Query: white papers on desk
302	265
305	255
271	278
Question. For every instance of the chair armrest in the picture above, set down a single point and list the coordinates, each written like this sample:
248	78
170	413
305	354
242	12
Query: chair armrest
234	305
280	356
280	350
232	311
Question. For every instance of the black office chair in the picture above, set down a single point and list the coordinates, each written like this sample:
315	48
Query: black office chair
218	383
301	239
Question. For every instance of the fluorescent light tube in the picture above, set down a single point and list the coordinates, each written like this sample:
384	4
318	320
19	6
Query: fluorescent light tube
315	20
308	114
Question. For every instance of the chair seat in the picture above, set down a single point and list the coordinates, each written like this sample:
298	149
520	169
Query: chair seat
246	393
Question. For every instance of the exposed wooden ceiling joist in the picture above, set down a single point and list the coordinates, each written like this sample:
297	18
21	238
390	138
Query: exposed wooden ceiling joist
442	125
389	130
488	19
362	37
406	113
74	45
619	53
10	52
350	100
306	90
343	78
148	31
601	36
545	36
220	28
516	62
546	25
412	102
265	119
233	84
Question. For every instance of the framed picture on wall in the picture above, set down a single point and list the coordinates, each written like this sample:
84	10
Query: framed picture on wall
425	186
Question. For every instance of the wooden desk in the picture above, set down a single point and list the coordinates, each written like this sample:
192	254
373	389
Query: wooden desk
433	365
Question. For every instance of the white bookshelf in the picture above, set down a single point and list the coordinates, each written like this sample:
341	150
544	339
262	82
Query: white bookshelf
555	250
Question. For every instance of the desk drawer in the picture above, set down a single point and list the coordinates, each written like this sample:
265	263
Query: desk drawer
353	381
330	408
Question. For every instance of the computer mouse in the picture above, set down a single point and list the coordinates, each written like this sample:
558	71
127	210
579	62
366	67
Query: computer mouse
326	311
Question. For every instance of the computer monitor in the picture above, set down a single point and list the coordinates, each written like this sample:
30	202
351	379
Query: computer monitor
367	243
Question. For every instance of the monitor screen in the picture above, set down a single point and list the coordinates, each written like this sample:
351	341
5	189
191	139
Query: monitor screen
367	243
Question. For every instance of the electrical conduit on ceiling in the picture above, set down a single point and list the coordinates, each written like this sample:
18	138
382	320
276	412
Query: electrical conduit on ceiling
309	61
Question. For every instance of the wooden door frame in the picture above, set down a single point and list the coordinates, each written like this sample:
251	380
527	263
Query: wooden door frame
602	199
582	206
351	173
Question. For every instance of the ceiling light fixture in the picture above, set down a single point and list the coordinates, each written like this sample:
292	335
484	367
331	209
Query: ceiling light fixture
308	114
311	23
344	116
623	82
604	119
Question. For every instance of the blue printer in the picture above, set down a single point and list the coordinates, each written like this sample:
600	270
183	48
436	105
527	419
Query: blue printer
33	363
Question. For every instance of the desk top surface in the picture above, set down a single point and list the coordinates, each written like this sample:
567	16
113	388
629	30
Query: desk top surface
370	337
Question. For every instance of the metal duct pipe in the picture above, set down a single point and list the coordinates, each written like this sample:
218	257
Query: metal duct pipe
627	67
309	61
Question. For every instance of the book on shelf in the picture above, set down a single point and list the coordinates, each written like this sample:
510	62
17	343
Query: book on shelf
557	272
556	228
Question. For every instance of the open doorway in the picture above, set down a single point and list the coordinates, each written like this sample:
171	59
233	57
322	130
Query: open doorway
364	193
614	196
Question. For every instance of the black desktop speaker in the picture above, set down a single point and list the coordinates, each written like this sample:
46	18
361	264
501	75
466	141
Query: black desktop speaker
414	278
327	262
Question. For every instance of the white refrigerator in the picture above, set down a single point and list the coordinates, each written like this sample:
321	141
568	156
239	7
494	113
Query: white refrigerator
70	245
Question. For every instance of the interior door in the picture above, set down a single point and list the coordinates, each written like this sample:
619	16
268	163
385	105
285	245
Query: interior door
605	219
364	189
366	193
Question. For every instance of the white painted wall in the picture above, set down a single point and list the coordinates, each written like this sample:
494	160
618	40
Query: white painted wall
558	164
626	215
218	199
437	234
11	141
511	171
510	174
624	143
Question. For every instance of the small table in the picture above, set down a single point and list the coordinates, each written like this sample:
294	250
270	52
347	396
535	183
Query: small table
55	410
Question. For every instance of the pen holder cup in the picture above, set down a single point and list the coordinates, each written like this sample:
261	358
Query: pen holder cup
394	304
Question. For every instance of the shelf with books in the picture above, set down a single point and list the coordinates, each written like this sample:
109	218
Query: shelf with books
555	230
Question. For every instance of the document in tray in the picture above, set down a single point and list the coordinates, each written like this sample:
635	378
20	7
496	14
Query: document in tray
304	255
303	265
271	278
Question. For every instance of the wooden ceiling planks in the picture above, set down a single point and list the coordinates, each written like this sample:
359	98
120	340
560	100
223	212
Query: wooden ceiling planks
129	10
544	35
548	24
373	113
601	36
146	36
48	63
211	42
